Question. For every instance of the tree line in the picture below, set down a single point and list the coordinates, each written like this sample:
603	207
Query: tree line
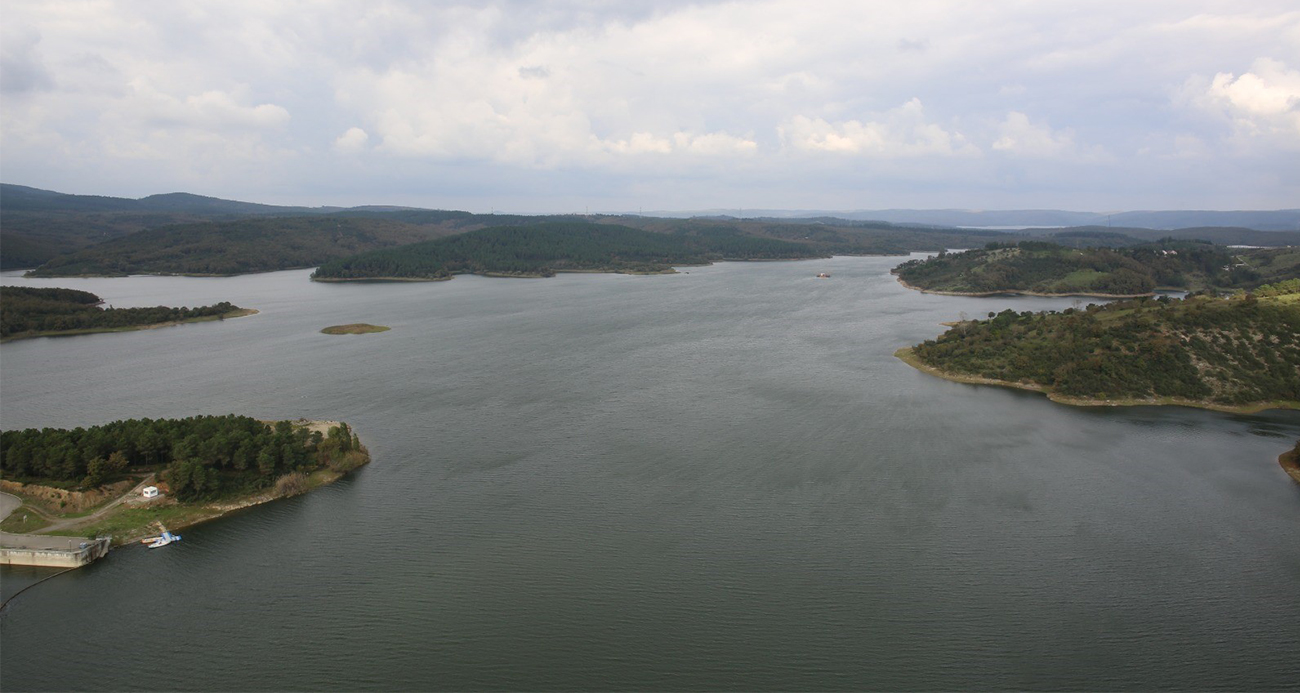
1038	266
235	247
543	249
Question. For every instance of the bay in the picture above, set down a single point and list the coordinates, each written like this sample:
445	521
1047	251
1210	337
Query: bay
720	479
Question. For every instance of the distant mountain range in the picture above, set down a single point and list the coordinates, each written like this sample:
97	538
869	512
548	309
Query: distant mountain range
16	198
191	234
1274	220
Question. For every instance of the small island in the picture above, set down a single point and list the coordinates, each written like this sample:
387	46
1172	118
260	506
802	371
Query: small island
27	312
1239	354
355	328
90	482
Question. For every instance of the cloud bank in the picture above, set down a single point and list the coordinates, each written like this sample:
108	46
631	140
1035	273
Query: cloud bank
556	106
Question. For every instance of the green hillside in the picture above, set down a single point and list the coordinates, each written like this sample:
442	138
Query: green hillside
541	250
1239	352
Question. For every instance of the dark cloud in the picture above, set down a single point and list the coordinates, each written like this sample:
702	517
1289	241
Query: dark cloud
21	68
913	46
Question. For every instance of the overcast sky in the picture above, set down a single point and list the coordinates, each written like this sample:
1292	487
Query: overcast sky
565	106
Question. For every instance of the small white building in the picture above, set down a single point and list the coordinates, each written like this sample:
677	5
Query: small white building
150	492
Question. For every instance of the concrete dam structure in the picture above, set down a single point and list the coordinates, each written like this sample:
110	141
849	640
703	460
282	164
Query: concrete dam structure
51	551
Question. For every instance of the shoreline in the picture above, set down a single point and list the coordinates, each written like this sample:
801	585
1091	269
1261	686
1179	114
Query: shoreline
241	313
631	272
906	355
1290	463
496	275
1018	292
28	274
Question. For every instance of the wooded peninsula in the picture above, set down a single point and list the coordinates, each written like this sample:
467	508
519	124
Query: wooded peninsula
1043	268
1232	354
205	464
49	312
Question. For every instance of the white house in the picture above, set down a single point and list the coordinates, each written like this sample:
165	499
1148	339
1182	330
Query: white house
150	492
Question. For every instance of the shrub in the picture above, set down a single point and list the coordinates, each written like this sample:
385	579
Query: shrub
291	484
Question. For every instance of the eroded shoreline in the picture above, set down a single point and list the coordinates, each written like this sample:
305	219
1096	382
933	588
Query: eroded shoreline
1018	292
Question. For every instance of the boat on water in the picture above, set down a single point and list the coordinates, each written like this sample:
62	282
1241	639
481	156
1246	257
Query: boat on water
823	275
164	539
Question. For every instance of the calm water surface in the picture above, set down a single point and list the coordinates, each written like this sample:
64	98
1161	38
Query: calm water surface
720	479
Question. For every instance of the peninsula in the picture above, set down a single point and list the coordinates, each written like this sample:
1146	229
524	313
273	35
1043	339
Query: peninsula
48	312
1040	268
87	482
1240	354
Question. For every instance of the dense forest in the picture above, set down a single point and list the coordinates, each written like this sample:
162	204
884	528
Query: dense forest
234	247
544	249
201	457
1041	267
32	312
39	225
1226	351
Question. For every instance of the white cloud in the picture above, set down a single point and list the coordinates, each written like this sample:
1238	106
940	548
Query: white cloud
211	110
353	140
1262	104
901	132
713	144
1019	136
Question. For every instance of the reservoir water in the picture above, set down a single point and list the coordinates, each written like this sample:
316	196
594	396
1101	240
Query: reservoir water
720	479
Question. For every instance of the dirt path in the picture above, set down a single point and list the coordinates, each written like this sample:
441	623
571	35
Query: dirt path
87	519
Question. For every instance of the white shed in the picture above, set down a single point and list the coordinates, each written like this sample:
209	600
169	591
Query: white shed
150	492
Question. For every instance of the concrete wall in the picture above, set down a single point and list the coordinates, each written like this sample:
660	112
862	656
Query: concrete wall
55	558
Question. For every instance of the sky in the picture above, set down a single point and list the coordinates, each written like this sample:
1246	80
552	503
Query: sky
567	106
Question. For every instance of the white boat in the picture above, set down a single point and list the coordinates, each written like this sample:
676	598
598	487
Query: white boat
165	539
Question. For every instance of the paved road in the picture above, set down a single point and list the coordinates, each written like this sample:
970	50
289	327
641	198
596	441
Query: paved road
37	541
8	504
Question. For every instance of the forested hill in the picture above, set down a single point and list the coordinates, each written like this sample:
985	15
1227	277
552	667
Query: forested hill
1047	268
543	249
1239	352
36	312
235	247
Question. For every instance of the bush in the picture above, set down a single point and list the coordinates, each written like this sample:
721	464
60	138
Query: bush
291	484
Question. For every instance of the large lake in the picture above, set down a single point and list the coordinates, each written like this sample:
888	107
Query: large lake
716	479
